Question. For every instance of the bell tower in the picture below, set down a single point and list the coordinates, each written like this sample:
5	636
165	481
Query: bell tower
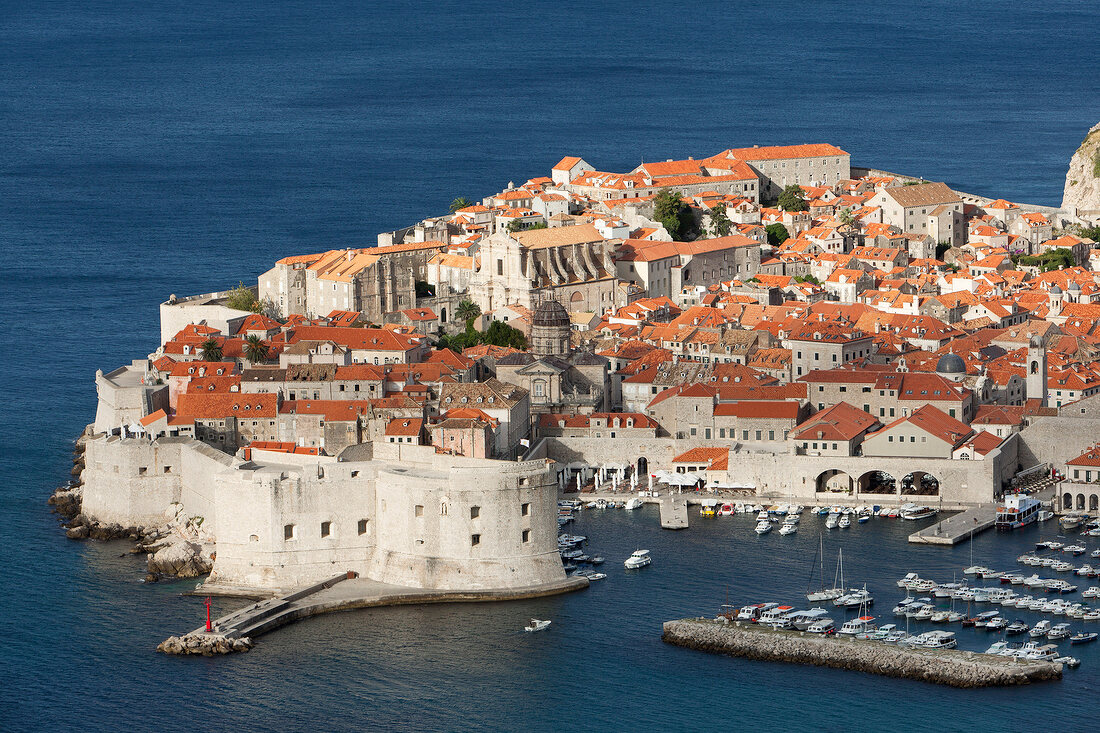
1037	370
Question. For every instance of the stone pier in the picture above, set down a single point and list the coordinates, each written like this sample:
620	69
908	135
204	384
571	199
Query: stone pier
951	667
957	528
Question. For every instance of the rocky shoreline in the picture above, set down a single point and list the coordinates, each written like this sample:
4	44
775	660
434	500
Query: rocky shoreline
943	667
200	644
177	549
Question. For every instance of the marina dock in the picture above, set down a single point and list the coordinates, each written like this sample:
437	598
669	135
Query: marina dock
957	528
951	667
340	593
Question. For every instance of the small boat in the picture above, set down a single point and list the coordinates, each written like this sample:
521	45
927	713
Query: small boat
913	512
832	521
633	503
788	528
822	626
1071	662
638	559
1045	514
1083	637
996	624
1039	629
859	625
1071	521
1044	653
593	575
536	625
1016	627
803	620
1074	549
1058	631
844	522
763	527
934	640
854	599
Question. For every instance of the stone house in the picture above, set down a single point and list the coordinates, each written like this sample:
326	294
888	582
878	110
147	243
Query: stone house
926	208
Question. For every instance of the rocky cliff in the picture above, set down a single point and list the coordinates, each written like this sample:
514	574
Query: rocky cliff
1082	190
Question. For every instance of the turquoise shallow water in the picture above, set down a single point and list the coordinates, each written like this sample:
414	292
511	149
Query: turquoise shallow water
151	149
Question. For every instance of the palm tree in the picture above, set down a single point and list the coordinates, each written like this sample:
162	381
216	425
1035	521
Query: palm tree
211	350
460	203
466	310
255	349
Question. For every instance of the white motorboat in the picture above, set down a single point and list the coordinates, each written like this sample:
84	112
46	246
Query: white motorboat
638	559
844	522
909	578
831	521
788	528
823	626
633	503
1059	631
935	640
803	620
777	617
913	512
536	625
763	527
859	625
1045	514
997	623
1039	629
854	599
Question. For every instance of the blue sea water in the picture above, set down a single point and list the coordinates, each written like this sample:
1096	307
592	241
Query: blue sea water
152	148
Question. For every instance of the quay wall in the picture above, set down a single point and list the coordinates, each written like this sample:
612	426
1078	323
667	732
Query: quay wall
943	667
962	483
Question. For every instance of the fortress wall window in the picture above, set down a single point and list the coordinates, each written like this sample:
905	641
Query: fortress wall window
418	510
526	535
326	529
475	512
363	524
525	509
475	539
289	531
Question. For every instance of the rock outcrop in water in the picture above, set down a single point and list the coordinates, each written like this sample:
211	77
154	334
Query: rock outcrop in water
943	667
207	646
1082	192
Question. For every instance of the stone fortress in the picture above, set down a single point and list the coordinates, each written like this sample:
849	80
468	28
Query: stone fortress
399	514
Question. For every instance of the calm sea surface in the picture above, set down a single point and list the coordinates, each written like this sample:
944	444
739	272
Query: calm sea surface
152	148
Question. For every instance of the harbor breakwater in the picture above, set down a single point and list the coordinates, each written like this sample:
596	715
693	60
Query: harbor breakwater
942	666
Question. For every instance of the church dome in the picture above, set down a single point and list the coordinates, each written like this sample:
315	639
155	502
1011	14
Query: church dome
1055	290
550	313
951	364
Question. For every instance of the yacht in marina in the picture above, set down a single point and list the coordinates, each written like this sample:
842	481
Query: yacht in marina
827	594
860	625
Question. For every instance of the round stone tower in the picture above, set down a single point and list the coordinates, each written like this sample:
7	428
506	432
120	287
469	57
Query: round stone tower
550	328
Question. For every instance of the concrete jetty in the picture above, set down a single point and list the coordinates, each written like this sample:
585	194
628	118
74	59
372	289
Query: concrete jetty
674	511
957	528
340	593
940	666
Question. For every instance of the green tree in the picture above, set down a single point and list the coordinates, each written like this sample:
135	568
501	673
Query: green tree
211	350
671	211
792	199
423	289
500	333
807	279
255	349
467	310
777	234
460	203
243	299
720	224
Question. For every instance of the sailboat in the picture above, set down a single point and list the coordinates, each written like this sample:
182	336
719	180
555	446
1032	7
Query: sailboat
828	594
